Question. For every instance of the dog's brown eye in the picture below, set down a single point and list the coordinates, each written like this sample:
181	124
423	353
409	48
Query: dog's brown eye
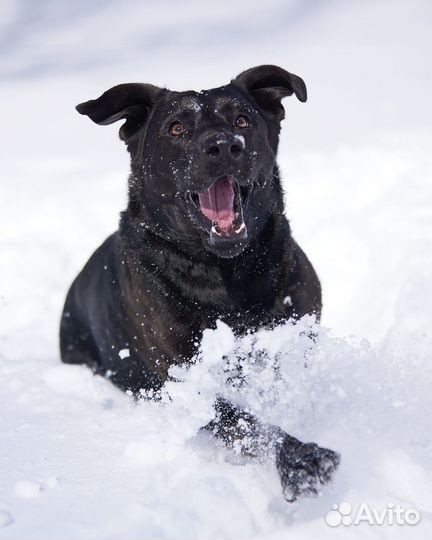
176	129
242	121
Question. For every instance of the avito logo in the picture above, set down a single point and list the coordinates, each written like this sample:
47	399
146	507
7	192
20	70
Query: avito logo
343	514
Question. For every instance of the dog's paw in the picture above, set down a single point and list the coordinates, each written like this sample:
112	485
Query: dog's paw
304	467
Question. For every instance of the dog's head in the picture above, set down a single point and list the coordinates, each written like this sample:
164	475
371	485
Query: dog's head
202	163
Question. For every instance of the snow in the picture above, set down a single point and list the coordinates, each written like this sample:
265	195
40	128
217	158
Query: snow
124	353
5	518
79	458
26	489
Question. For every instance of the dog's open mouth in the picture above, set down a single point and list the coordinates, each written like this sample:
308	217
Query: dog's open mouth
222	208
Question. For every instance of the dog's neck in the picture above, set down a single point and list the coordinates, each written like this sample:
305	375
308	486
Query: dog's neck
233	281
185	262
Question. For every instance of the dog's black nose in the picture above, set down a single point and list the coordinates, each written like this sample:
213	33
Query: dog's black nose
222	146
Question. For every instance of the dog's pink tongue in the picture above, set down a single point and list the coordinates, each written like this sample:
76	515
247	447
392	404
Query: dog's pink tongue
217	203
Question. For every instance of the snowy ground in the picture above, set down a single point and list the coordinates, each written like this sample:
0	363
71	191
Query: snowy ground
79	459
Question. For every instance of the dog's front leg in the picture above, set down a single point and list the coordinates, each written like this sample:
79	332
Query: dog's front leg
302	467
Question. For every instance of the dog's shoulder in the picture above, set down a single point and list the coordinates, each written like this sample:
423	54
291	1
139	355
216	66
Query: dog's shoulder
302	290
98	278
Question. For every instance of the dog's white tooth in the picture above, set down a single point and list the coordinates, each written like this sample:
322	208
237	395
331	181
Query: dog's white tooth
242	226
214	230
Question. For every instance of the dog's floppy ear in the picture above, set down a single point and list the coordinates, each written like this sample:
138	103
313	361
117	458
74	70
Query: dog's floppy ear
269	84
131	101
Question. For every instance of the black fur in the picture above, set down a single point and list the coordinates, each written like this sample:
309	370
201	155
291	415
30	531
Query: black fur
164	276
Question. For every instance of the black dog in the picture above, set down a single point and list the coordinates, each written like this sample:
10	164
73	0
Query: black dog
204	237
